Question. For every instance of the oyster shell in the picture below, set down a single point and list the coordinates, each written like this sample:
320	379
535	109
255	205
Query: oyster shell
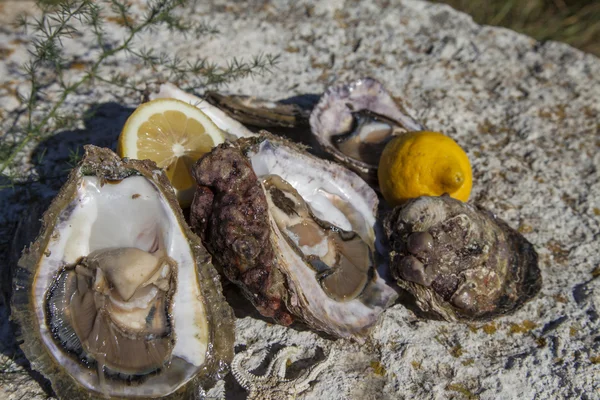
354	122
295	232
261	113
117	297
287	118
458	261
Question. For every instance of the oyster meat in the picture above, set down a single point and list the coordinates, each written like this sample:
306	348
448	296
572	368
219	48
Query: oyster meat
460	262
117	298
295	232
354	122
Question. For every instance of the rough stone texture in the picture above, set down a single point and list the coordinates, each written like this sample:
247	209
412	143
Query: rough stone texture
526	112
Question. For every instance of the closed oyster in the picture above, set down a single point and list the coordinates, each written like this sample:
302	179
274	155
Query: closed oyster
295	232
261	113
354	122
460	262
287	118
117	298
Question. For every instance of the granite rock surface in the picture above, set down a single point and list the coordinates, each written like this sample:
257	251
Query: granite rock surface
526	112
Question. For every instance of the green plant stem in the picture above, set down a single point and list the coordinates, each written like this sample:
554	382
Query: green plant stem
34	131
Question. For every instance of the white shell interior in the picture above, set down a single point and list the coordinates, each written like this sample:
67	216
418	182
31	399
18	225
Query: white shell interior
311	179
130	213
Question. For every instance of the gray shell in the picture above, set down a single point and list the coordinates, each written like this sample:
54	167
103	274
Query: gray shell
109	168
460	262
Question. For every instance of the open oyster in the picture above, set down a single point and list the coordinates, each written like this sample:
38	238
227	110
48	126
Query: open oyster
117	297
295	232
460	262
354	122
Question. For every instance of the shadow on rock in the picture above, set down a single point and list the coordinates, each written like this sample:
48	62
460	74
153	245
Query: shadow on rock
56	156
306	101
11	350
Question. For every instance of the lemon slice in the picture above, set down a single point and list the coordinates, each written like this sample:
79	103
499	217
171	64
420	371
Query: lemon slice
174	135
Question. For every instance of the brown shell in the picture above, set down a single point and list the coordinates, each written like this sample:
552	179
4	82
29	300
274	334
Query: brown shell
458	261
107	166
260	113
230	214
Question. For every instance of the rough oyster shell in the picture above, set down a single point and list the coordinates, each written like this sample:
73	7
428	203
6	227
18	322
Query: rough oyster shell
261	113
295	232
353	122
87	322
460	262
287	118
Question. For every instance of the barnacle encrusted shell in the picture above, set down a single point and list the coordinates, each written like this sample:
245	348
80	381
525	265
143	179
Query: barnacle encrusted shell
117	298
458	261
353	122
295	232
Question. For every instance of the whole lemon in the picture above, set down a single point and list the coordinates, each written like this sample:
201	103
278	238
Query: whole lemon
423	164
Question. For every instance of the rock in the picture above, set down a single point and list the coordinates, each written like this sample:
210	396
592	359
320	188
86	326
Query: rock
526	112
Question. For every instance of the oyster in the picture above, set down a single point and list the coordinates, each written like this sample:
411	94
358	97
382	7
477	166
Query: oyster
287	118
117	297
253	111
460	262
354	122
295	232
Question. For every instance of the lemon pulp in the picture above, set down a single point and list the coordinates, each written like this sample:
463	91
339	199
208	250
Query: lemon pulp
174	135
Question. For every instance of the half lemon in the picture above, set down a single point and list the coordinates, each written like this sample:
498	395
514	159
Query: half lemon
174	135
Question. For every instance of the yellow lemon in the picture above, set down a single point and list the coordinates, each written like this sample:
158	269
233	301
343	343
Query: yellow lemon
424	164
174	135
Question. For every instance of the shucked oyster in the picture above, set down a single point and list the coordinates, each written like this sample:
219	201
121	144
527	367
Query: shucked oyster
295	232
354	122
460	262
117	297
